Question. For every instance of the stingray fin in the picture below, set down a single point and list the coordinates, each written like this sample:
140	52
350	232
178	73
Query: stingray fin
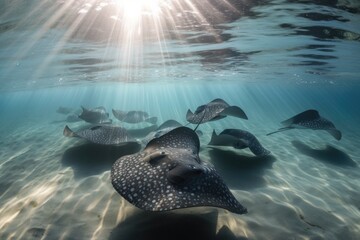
183	173
68	132
222	140
84	109
280	130
219	100
168	124
234	111
151	120
213	136
307	115
335	133
259	150
189	114
186	136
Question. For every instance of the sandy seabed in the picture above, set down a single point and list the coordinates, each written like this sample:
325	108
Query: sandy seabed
52	187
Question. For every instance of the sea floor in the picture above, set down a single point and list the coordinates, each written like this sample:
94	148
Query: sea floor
53	187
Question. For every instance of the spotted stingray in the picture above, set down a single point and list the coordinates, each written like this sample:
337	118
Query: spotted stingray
310	119
168	174
95	116
214	110
239	139
134	116
102	134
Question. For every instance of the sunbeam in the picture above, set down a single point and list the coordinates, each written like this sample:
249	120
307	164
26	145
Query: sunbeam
131	33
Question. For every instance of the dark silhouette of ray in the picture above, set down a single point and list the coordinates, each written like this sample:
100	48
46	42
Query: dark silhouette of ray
90	159
329	154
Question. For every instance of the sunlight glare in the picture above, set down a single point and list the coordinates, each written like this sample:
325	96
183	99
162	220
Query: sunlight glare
134	9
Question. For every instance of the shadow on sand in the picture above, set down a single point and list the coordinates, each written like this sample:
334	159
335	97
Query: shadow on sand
329	154
240	171
170	225
90	159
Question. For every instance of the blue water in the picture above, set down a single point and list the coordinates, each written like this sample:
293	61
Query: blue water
274	59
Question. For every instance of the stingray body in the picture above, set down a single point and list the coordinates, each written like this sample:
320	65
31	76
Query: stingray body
310	119
133	116
239	139
214	110
168	174
106	135
95	116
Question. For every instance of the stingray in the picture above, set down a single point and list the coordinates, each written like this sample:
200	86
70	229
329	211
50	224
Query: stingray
238	139
309	119
106	135
64	110
134	116
214	110
168	174
73	118
95	116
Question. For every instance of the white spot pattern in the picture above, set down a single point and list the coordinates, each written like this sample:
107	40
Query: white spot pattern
155	192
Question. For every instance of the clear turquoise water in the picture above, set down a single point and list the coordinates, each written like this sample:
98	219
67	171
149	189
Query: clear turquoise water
274	59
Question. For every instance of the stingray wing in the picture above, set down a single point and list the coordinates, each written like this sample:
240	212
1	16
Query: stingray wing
219	101
68	132
335	133
222	139
308	115
181	137
234	111
189	115
151	120
169	124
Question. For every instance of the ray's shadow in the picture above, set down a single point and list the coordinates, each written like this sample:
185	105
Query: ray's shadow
329	154
90	159
240	171
170	225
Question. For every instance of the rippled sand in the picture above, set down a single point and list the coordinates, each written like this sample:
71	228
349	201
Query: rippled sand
52	187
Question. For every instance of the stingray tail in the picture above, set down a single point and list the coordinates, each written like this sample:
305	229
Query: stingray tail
280	130
200	119
151	120
68	132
